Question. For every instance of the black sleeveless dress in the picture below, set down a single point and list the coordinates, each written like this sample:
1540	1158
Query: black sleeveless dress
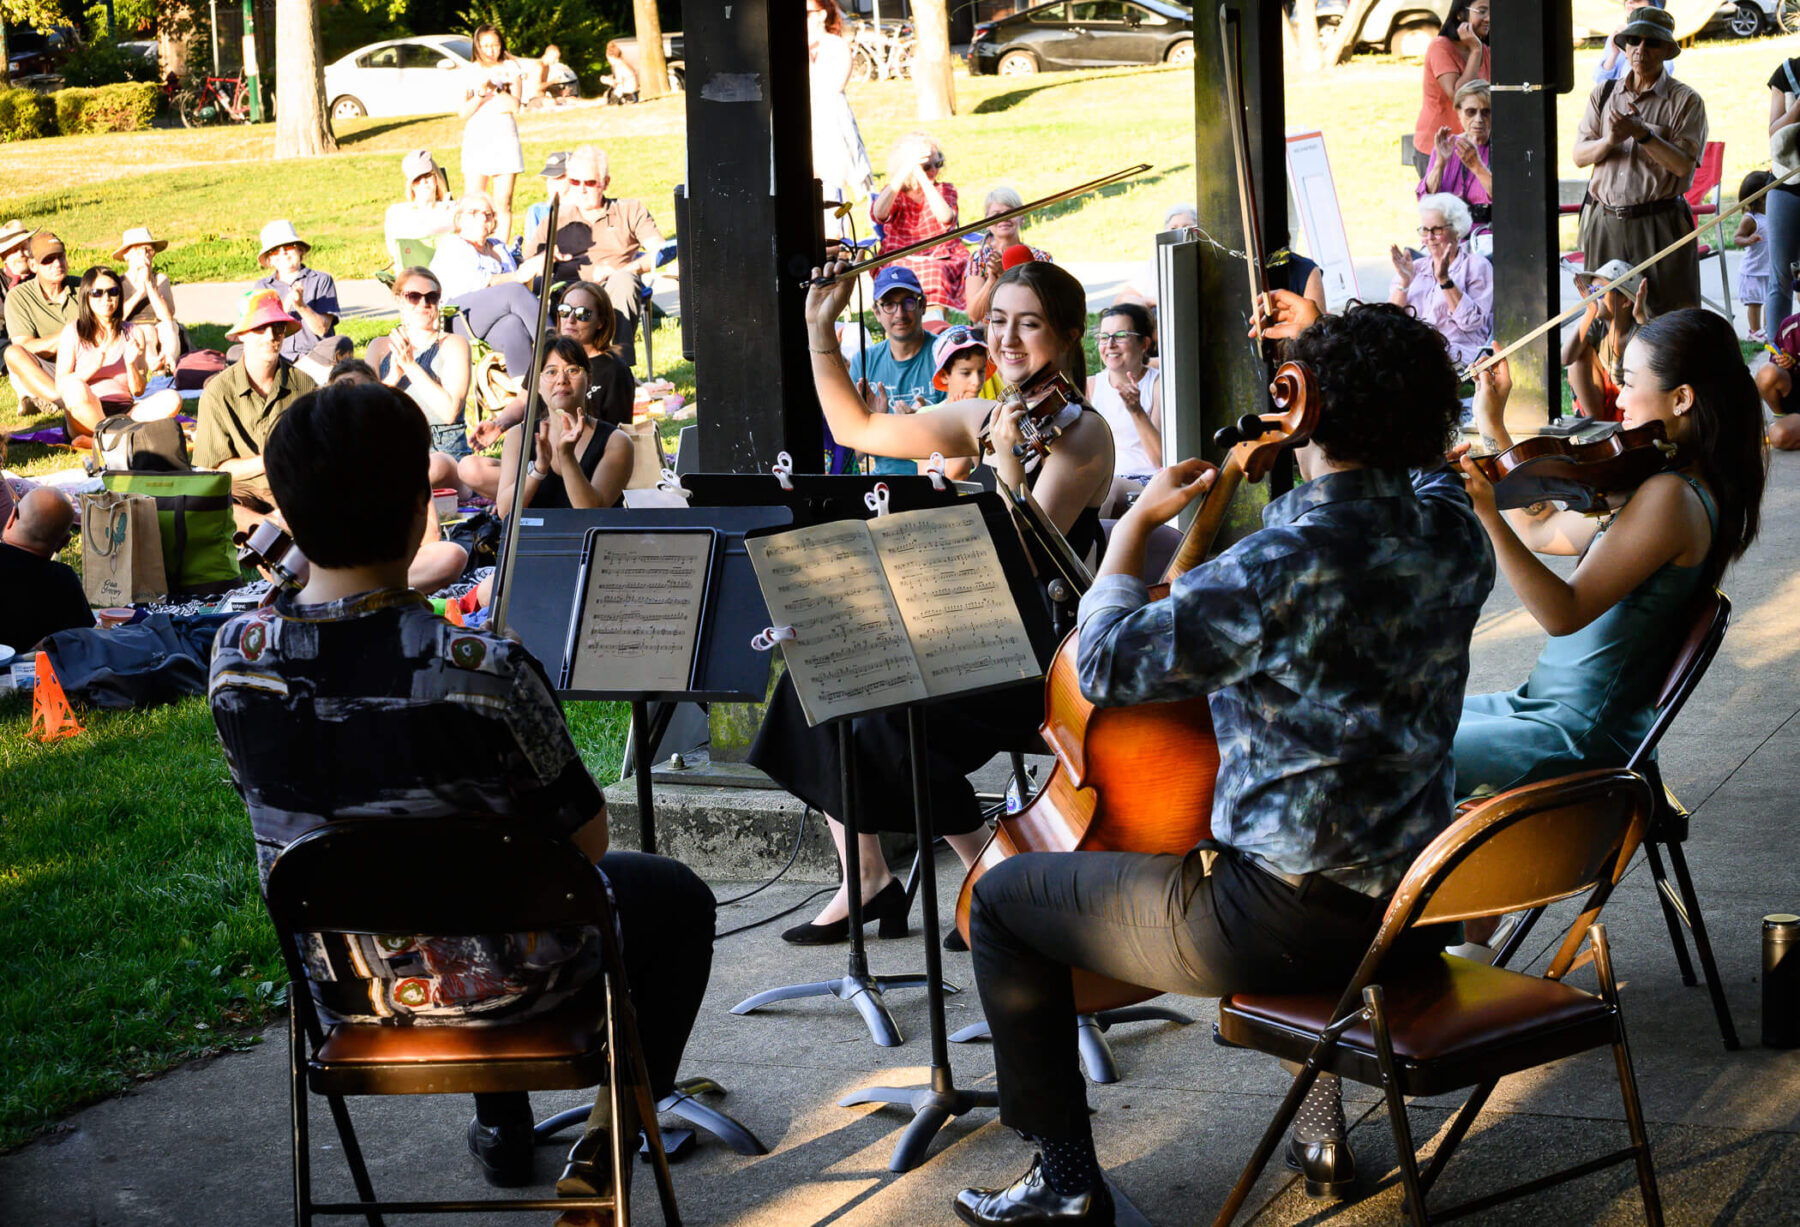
551	493
961	734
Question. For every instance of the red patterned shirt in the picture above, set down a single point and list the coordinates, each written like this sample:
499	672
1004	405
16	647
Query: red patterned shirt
940	269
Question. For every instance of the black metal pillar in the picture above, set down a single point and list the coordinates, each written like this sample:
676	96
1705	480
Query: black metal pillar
1234	376
752	232
1531	50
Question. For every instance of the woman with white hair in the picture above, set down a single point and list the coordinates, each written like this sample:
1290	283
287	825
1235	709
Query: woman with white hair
490	291
985	264
1448	286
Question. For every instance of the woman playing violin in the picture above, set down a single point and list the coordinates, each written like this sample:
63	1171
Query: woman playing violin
1036	323
1617	619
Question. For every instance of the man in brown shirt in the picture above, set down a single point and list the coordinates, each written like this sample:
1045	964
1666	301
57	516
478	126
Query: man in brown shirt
1643	135
601	239
36	311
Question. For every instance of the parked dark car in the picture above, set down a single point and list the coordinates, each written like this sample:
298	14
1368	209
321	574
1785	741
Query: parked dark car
1084	34
35	53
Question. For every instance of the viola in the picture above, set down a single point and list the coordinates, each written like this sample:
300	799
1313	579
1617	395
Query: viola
1140	779
1043	396
1545	468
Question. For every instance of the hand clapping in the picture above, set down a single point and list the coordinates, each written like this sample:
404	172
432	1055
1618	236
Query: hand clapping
1403	265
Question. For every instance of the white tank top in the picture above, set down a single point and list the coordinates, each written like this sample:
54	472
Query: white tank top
1129	457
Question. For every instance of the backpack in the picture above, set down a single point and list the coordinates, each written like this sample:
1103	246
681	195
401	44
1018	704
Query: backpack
122	445
193	514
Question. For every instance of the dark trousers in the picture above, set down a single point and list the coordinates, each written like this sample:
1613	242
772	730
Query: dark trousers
666	921
624	289
1164	922
1675	283
504	316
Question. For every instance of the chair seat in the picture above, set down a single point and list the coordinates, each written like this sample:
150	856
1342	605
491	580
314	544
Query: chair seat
1706	251
1454	1023
561	1050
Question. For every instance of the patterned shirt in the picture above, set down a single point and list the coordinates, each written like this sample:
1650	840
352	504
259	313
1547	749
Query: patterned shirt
373	706
1333	647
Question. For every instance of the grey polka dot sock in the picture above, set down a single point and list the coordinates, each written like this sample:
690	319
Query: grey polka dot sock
1321	1117
1070	1168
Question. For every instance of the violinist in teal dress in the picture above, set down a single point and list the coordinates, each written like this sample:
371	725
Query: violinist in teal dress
1617	620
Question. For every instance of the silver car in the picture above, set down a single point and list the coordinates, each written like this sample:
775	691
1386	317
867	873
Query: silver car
423	75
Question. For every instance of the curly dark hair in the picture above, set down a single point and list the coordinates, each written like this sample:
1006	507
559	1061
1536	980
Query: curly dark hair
1388	386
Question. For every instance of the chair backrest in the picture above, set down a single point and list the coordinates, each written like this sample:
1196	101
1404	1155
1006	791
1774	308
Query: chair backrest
1709	176
1712	614
415	253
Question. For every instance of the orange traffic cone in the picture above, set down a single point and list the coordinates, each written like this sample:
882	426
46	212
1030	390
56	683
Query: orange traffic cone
52	719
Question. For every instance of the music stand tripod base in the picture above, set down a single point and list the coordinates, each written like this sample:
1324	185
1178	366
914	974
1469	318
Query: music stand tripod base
1096	1053
680	1102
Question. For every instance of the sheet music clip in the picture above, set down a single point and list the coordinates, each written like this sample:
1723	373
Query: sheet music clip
783	468
766	639
934	469
673	485
876	500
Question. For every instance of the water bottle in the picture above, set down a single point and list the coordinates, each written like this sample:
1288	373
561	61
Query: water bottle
1781	981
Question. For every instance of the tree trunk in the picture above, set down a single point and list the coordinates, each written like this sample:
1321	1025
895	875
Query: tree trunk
1349	28
301	127
653	66
931	60
1306	32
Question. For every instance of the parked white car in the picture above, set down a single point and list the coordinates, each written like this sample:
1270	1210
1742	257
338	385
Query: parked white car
425	75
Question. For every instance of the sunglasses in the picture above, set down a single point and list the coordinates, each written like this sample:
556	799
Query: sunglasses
104	291
580	315
962	336
1634	40
1121	337
582	182
427	298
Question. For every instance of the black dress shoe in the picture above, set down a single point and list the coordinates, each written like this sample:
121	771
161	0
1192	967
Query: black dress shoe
588	1172
1029	1200
1328	1167
504	1152
953	941
889	906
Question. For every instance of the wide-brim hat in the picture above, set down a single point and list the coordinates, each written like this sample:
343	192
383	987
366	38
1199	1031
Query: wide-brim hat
1653	23
14	235
262	307
138	236
278	233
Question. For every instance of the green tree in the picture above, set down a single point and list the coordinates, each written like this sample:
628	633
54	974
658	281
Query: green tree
301	129
529	25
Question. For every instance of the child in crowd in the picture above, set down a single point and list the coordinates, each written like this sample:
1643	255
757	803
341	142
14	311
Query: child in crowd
1594	353
1753	273
963	370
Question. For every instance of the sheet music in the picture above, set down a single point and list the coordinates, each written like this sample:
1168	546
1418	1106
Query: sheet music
952	593
638	624
851	652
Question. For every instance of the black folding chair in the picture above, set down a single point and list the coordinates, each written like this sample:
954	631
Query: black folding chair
486	876
1429	1024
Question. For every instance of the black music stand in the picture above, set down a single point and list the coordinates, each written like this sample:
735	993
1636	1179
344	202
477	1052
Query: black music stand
552	545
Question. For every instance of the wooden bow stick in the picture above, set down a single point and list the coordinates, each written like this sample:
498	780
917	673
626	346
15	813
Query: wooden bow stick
1671	249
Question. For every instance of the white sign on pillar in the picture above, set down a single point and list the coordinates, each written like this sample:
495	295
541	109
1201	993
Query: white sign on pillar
1321	222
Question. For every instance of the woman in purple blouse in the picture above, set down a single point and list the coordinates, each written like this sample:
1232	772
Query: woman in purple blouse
1459	164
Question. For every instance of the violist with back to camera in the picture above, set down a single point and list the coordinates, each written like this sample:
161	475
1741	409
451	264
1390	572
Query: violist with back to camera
1333	647
1036	322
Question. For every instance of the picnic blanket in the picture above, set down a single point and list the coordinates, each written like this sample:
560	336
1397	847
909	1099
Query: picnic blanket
158	660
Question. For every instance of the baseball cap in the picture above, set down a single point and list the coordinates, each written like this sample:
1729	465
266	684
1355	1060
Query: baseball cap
1614	269
896	277
555	166
951	342
44	244
417	164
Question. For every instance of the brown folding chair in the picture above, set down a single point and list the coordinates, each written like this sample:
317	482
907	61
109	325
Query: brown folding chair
486	876
1430	1025
1668	828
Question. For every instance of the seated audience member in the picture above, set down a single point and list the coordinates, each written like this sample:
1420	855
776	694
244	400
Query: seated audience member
374	670
1594	354
431	366
584	316
984	262
897	375
576	460
308	295
1128	394
602	239
242	403
488	288
1449	287
12	489
15	255
554	183
912	207
556	81
353	370
36	313
425	213
100	366
1775	383
1142	286
1459	162
39	595
150	299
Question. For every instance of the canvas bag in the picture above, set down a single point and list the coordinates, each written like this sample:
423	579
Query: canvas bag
122	445
647	460
121	549
193	513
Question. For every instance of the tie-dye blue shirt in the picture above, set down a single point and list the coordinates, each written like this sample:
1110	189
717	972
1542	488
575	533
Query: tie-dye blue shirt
1333	647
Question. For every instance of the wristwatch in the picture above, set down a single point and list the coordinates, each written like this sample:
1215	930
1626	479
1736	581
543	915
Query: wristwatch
1447	284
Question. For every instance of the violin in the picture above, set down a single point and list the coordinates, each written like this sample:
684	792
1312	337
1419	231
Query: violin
1043	396
1545	468
1140	779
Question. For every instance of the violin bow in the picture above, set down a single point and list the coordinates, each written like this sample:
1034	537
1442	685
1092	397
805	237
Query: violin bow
1690	237
501	597
1229	50
937	240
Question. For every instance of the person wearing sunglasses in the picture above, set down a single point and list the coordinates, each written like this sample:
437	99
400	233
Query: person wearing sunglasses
1448	286
101	371
602	239
38	594
489	289
915	204
307	294
1643	135
432	366
37	310
242	403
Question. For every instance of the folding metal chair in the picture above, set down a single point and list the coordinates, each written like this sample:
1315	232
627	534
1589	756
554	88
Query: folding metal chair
485	876
1431	1024
1704	197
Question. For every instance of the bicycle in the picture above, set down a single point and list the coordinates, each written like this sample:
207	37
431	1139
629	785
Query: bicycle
881	55
218	100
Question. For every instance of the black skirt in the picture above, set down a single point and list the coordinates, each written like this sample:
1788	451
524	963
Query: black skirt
961	734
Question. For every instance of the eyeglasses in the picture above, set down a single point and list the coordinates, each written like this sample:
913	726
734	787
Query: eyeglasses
487	213
1106	338
894	306
582	182
1432	232
580	315
104	291
427	298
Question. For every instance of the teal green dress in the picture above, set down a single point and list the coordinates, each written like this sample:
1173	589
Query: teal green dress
1591	698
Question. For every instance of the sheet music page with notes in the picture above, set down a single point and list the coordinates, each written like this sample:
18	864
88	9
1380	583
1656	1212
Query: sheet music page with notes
851	652
952	593
639	620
